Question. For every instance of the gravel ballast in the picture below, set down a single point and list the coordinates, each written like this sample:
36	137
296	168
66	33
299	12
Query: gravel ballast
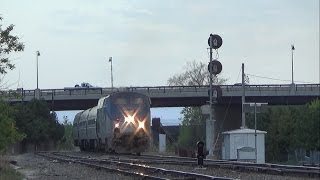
36	167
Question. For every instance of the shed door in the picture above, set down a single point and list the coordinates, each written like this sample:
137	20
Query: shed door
238	142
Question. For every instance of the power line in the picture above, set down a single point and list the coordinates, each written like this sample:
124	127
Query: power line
263	77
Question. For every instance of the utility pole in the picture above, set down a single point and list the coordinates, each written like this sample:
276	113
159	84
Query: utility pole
243	100
292	49
257	108
255	132
37	54
110	60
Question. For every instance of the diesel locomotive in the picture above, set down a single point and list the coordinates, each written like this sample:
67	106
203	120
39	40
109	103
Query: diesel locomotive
119	123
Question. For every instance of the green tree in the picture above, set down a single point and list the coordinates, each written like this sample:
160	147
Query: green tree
67	140
297	115
192	128
279	123
35	120
8	130
56	131
8	43
289	128
279	134
309	131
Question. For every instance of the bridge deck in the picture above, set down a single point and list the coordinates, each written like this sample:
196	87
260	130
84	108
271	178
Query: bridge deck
173	96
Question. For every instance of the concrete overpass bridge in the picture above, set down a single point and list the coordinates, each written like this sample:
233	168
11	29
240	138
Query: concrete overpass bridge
173	96
227	111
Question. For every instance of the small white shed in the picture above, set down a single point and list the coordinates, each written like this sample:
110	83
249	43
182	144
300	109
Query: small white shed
239	145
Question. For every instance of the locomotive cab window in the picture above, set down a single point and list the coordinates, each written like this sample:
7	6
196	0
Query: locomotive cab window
120	101
127	104
137	101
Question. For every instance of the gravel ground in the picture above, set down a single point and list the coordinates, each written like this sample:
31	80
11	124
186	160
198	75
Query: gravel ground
222	172
37	167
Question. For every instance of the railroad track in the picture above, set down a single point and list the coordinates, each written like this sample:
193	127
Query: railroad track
127	168
303	171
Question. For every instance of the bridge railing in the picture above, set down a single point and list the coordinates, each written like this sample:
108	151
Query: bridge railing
183	89
266	87
70	92
226	89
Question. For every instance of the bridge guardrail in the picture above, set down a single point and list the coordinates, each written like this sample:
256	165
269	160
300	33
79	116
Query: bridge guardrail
166	89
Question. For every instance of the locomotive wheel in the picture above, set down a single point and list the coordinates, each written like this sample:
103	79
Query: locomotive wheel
106	148
86	146
95	146
110	151
92	145
81	144
81	147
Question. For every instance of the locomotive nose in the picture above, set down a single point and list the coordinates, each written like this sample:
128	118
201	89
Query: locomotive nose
128	129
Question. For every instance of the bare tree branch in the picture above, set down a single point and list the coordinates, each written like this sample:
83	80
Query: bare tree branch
196	74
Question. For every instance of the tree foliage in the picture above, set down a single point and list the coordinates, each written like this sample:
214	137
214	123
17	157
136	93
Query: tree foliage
34	118
67	141
310	127
289	128
192	128
8	43
36	121
8	130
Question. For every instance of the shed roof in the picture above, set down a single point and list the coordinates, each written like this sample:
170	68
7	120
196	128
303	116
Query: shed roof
244	131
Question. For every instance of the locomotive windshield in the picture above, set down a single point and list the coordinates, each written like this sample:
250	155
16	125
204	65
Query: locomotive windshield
128	104
128	100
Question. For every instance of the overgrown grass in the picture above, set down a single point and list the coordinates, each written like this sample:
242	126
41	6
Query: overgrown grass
7	172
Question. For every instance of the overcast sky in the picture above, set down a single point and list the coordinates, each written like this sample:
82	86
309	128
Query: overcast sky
150	41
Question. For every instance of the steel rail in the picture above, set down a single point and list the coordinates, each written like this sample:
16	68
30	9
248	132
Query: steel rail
93	162
242	166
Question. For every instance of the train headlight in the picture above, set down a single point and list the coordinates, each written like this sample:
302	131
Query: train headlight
141	125
129	119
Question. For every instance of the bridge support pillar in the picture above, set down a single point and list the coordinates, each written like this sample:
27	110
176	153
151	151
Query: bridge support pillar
37	94
210	130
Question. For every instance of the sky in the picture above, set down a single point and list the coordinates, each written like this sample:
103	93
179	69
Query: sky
150	41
